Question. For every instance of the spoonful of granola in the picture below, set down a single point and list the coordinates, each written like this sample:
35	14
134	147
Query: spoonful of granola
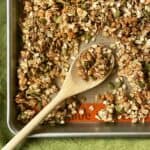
90	68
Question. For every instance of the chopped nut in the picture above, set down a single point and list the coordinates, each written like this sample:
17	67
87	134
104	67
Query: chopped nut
81	111
91	108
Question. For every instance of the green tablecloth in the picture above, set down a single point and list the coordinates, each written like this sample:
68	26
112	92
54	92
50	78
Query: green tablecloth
53	144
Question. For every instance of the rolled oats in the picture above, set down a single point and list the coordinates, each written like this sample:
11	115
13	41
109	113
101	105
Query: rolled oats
52	32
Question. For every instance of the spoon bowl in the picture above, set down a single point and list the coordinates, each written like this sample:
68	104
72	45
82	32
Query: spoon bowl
77	85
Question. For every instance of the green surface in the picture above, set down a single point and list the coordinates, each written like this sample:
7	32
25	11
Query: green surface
53	144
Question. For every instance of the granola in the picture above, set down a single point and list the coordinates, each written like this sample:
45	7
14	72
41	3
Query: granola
52	31
94	63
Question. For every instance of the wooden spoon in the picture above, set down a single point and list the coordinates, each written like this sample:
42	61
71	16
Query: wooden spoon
72	85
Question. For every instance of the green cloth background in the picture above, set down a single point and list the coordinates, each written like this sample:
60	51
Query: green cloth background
53	144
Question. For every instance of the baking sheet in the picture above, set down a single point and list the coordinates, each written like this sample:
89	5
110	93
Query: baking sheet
75	128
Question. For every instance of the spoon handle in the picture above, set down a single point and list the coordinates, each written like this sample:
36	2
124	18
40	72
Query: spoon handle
20	136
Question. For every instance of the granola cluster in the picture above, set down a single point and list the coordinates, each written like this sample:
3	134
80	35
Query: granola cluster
52	31
94	63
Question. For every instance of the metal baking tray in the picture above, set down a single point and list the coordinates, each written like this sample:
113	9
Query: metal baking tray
79	129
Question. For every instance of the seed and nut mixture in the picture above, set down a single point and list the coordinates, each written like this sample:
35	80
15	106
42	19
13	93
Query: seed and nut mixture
52	31
94	63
